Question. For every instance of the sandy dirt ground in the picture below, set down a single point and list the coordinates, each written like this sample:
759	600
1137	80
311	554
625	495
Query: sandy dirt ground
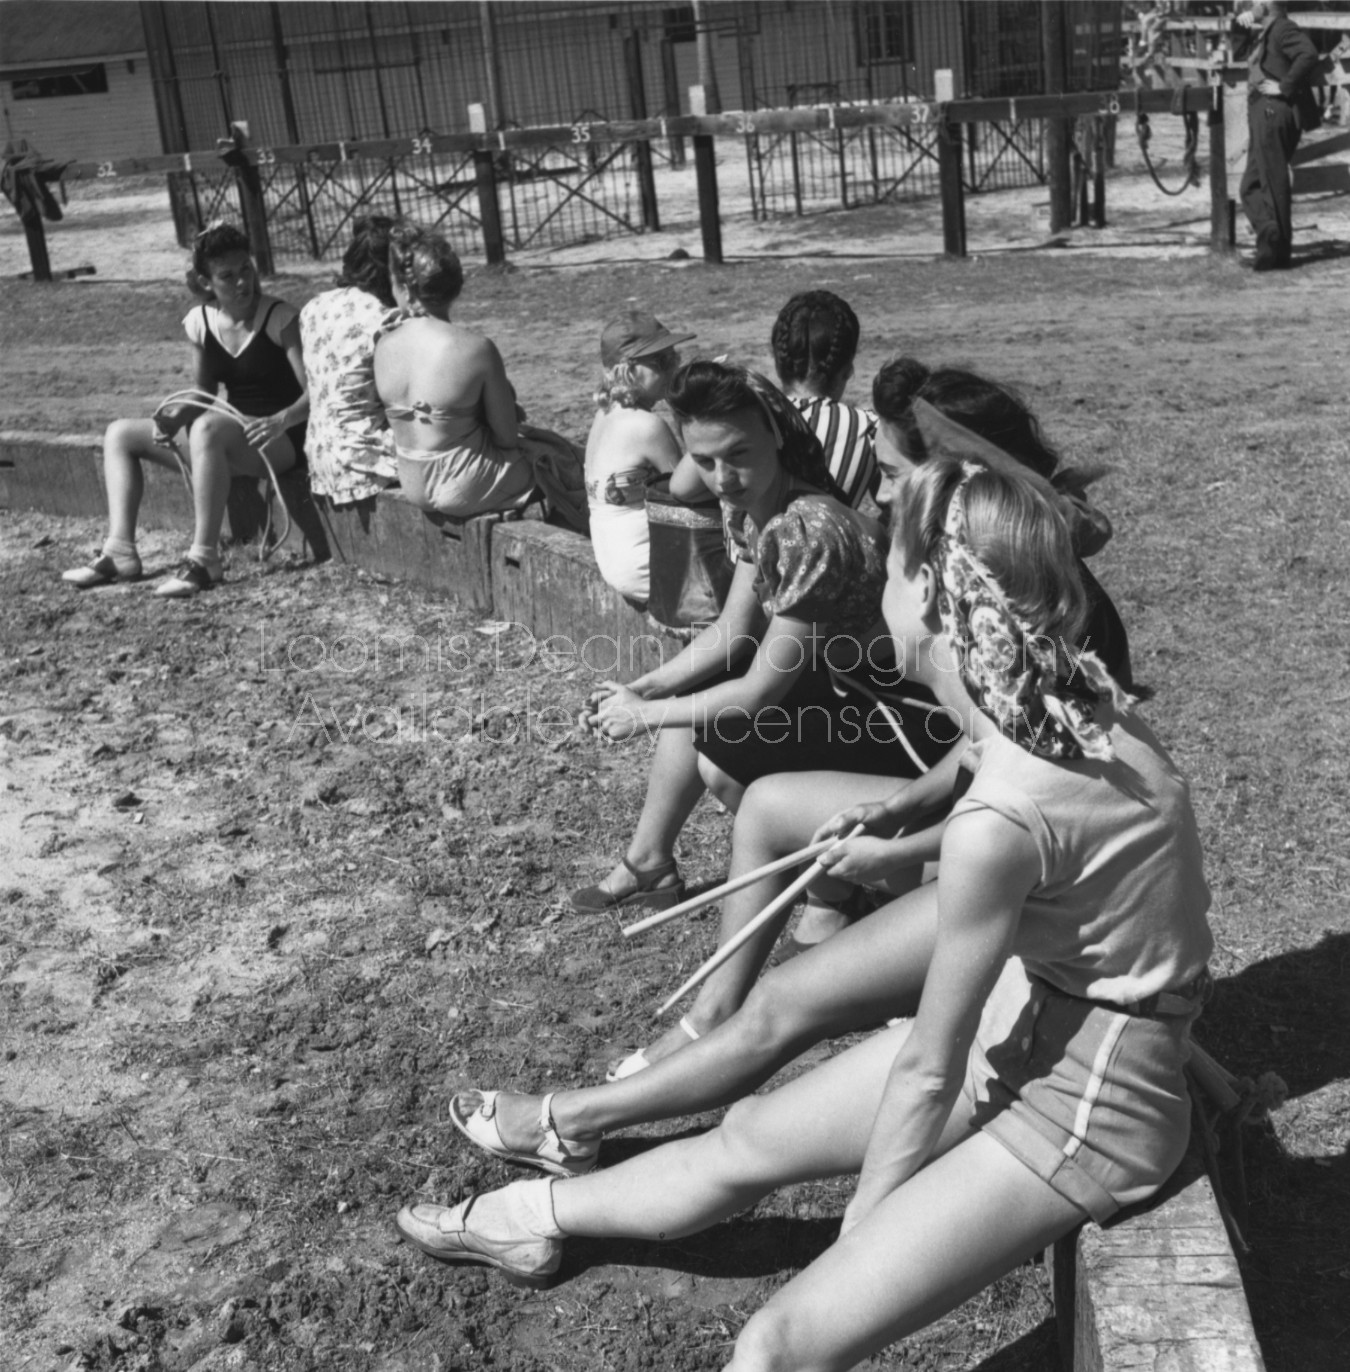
274	885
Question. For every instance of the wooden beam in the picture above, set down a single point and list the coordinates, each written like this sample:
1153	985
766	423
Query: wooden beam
1322	180
1322	147
732	124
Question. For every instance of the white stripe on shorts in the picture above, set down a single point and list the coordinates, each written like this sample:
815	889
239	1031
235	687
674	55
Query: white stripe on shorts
1095	1083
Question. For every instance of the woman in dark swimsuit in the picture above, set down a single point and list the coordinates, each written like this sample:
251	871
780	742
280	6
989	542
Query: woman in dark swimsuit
247	344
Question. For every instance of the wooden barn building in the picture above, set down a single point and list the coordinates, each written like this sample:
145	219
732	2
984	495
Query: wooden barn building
74	79
304	73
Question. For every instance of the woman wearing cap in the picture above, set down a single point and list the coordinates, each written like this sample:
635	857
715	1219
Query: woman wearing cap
628	446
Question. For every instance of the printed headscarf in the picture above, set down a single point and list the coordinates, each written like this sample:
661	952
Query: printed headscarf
1041	694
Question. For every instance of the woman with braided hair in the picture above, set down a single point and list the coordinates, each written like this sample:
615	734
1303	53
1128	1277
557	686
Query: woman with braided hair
815	339
1040	1084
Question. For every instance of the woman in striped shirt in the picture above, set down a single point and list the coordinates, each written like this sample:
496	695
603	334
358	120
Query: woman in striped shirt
815	339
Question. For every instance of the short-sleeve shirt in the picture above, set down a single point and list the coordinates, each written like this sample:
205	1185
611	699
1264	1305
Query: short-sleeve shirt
346	421
1118	910
847	434
818	561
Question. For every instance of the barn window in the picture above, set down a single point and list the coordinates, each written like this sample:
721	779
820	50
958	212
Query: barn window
885	32
679	24
84	81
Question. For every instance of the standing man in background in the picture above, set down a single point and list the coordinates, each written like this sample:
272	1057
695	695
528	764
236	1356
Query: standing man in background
1280	107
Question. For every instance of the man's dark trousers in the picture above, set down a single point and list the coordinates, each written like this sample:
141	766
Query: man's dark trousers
1273	134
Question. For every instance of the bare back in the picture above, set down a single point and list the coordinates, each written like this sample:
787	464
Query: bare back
621	439
431	364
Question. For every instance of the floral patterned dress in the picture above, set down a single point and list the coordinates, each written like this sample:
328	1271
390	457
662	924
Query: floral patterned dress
350	447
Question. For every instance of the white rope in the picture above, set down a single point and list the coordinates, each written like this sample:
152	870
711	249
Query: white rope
207	400
891	716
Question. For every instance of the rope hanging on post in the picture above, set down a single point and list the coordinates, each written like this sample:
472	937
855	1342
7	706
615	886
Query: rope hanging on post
1189	160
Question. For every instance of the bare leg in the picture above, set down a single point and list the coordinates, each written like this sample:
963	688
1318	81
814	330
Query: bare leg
779	815
126	444
815	1126
864	975
220	452
968	1216
673	789
954	1227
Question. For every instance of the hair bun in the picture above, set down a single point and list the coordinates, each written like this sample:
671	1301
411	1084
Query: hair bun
908	376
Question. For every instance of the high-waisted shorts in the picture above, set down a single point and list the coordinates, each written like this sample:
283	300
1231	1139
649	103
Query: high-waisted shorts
1092	1099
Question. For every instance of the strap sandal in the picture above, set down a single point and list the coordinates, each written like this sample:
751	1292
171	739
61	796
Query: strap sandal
637	1062
557	1156
594	899
446	1233
822	919
103	571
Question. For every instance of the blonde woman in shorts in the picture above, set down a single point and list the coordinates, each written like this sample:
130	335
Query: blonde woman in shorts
1040	1084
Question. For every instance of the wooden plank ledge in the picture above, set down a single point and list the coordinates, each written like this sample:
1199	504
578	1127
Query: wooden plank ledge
1157	1289
540	578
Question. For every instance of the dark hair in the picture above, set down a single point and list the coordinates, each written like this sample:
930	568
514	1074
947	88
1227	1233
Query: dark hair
994	412
815	339
717	390
365	264
214	242
426	265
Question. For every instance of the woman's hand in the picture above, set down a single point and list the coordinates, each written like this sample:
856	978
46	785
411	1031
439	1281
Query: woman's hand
260	432
614	712
874	817
866	861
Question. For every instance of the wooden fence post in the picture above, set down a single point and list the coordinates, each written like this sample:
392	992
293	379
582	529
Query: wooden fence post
705	175
489	208
1222	235
255	218
1058	131
251	203
37	245
709	209
637	96
953	191
1099	137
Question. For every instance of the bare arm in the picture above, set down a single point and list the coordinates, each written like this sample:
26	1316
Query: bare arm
263	430
499	398
779	660
989	866
731	639
658	446
686	484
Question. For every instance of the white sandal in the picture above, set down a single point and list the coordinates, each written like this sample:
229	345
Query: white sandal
528	1254
557	1156
637	1062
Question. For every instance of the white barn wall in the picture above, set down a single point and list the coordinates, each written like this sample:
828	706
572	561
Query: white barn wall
90	128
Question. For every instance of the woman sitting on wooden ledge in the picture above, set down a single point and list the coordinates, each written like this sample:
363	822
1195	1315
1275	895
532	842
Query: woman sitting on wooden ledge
246	343
459	444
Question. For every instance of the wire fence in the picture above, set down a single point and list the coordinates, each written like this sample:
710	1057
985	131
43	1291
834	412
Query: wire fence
323	73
